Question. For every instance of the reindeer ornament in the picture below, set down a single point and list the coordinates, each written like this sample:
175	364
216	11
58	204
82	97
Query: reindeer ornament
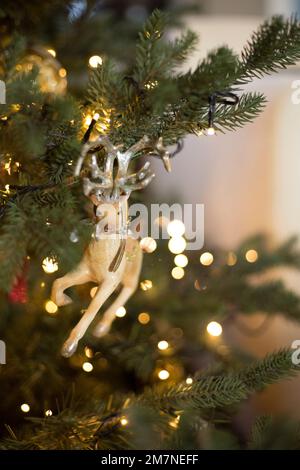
112	257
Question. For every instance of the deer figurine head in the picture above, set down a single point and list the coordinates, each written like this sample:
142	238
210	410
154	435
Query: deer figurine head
104	263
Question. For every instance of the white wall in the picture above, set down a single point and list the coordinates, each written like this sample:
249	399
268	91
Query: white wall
249	180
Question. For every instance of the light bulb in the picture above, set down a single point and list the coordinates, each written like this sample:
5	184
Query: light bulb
144	318
177	273
163	374
176	228
95	60
251	256
214	328
163	345
25	407
51	307
177	245
231	259
49	265
121	312
87	120
88	352
206	258
146	284
181	261
87	367
62	72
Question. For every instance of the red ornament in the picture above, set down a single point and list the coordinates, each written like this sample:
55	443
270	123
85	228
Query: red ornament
19	290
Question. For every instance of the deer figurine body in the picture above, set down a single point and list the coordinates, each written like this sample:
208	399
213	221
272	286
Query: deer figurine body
112	257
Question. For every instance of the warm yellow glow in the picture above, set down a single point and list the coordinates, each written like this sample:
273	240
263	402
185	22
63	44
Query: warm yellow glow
211	131
214	328
49	265
52	52
43	284
231	259
251	256
177	273
87	120
163	374
176	228
87	367
121	312
177	245
148	244
62	72
163	345
7	188
151	84
7	166
174	422
124	421
206	258
189	381
88	352
96	116
48	413
181	261
16	107
144	318
51	307
93	291
103	126
25	407
146	284
95	60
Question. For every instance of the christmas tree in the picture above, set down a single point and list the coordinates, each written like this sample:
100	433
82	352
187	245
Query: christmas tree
152	382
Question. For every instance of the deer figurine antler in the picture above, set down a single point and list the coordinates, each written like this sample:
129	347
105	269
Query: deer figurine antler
103	261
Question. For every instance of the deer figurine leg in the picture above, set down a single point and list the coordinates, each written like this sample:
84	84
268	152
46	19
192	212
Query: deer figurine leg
79	276
104	325
105	290
130	282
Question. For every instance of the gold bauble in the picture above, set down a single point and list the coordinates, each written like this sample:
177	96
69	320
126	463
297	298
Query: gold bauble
52	76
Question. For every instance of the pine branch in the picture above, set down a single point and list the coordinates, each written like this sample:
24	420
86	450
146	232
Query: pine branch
275	46
233	117
147	60
215	73
218	391
274	367
260	427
